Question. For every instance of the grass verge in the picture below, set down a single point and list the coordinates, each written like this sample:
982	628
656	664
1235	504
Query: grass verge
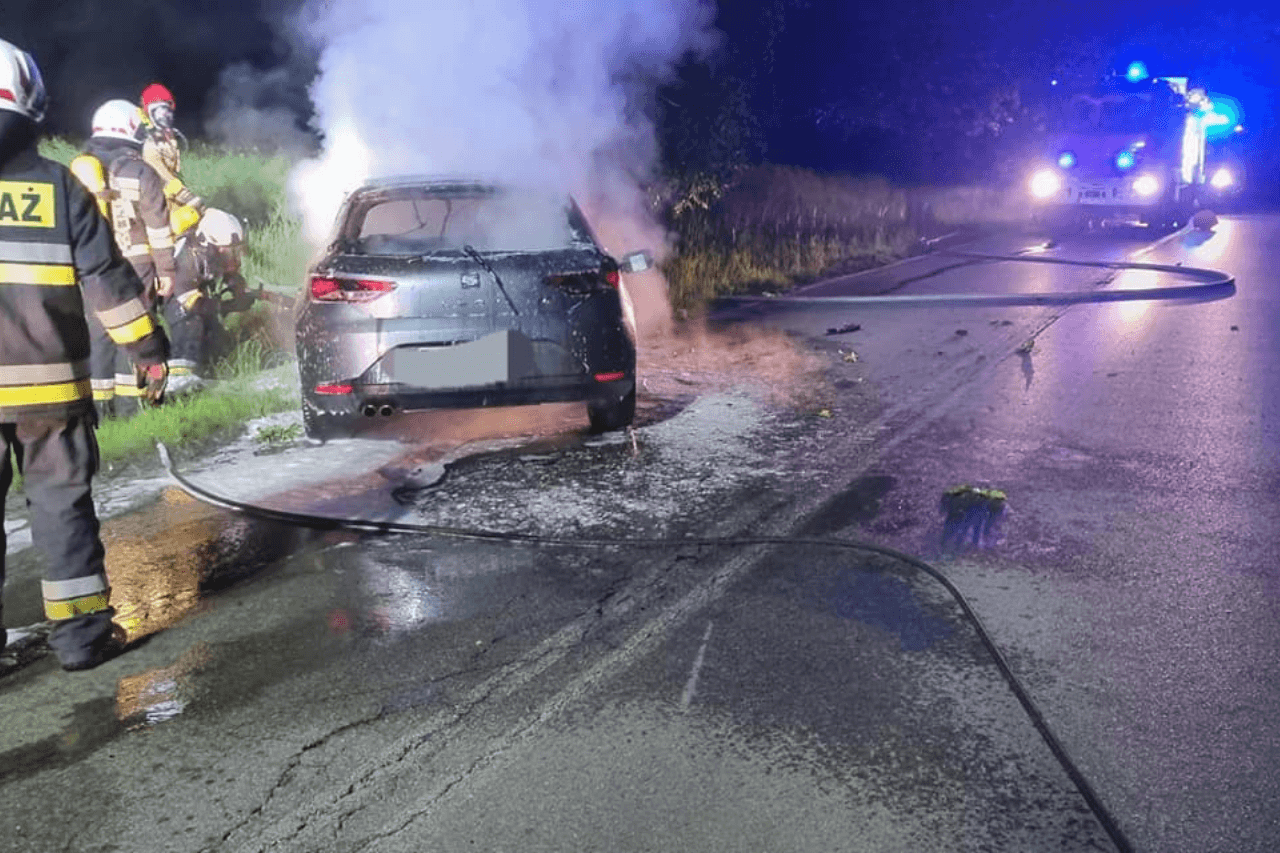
237	396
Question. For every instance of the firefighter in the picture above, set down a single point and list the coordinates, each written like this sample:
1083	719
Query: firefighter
160	148
131	196
182	309
57	258
209	258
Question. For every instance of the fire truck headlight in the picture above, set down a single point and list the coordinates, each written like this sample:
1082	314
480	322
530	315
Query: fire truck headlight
1045	183
1222	178
1147	186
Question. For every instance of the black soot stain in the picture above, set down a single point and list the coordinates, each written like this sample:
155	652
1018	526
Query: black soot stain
857	504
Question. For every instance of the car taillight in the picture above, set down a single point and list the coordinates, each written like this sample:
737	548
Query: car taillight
327	289
612	278
334	388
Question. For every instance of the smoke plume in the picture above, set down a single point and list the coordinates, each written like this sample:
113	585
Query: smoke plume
539	93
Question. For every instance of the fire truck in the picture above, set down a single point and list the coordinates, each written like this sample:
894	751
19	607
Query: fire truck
1134	147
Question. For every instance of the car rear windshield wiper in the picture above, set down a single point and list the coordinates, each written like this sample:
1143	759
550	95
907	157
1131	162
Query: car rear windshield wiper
479	259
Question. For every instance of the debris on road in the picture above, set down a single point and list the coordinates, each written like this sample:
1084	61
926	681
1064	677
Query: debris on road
1026	347
972	515
849	356
961	332
845	329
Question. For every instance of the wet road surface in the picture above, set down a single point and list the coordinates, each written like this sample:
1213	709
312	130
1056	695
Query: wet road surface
317	691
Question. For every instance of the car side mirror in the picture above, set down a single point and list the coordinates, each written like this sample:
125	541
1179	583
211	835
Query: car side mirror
636	262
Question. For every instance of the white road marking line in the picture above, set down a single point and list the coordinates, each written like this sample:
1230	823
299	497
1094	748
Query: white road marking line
691	686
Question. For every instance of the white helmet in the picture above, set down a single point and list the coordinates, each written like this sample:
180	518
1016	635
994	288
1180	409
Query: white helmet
118	119
219	228
21	87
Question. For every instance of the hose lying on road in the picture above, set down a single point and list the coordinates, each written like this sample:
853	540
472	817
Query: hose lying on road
1211	285
321	522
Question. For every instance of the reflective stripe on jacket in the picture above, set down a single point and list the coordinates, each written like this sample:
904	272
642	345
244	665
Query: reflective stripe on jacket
53	238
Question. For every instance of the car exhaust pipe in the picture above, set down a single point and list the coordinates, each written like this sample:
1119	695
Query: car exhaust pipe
369	410
387	410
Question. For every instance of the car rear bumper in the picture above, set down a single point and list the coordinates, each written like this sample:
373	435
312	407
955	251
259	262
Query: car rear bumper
385	399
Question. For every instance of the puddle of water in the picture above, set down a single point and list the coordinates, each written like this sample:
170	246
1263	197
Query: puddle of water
164	559
886	602
158	695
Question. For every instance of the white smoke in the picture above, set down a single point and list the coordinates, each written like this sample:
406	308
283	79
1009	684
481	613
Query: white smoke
540	93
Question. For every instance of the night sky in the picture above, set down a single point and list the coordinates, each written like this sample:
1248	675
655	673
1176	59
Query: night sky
858	86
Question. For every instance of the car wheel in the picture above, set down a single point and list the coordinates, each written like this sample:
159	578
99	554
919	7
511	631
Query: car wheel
323	426
609	415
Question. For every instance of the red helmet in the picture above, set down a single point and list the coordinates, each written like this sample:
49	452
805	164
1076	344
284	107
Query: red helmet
156	93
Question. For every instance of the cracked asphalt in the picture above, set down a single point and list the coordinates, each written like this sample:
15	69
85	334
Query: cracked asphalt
309	691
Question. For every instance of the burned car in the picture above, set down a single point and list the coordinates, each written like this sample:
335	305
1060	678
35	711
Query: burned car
457	294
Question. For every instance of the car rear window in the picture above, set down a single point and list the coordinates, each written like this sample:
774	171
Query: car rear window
418	222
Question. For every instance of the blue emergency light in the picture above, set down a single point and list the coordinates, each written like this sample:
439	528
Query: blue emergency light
1221	116
1124	160
1136	72
1067	159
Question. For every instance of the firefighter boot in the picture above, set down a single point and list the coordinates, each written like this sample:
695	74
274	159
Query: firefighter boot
110	644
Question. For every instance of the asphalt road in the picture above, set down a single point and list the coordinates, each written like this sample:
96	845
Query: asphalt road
332	691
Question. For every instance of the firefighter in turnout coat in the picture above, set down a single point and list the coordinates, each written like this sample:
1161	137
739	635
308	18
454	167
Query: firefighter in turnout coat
57	259
185	308
131	195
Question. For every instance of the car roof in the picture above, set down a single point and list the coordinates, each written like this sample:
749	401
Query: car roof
443	182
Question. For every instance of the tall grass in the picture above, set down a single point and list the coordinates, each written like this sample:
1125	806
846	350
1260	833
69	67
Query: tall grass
776	226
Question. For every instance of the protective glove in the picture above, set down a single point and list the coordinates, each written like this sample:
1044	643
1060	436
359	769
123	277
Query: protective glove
233	294
152	381
164	287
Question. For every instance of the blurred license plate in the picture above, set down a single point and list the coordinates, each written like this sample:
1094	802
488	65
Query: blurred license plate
500	357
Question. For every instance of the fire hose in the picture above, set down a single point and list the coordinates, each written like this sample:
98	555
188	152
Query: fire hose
1210	285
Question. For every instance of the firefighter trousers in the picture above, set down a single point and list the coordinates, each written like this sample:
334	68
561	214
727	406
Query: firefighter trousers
185	315
111	371
57	459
